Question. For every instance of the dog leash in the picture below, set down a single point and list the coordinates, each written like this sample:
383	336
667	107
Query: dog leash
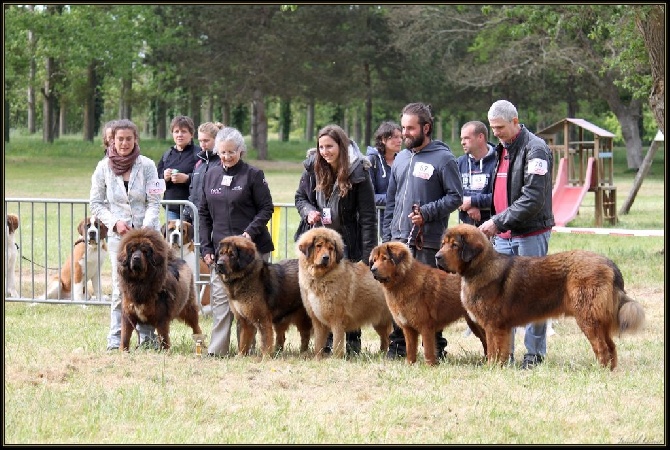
40	265
418	241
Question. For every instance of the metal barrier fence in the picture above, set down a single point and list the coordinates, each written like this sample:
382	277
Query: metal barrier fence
47	234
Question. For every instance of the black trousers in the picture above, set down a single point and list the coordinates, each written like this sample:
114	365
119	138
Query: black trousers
397	342
353	342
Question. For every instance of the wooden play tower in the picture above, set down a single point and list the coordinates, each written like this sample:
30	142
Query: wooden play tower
587	151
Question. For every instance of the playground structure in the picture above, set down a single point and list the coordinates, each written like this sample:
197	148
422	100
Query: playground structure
585	156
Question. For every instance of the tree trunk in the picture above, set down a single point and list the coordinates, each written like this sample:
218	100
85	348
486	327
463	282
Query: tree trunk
209	110
32	70
89	103
225	113
285	119
62	118
628	116
6	120
368	107
48	104
125	108
639	177
161	114
196	110
652	28
254	118
261	119
309	121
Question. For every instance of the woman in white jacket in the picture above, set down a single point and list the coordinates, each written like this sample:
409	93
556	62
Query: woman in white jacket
125	193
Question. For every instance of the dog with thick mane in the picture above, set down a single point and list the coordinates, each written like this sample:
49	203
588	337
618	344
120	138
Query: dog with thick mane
180	236
263	296
502	291
82	265
156	287
422	299
12	251
339	295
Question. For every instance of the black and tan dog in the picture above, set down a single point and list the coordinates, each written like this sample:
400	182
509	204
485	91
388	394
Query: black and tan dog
339	295
502	291
422	299
263	296
156	287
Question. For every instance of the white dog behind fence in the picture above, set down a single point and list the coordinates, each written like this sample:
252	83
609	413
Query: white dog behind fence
12	254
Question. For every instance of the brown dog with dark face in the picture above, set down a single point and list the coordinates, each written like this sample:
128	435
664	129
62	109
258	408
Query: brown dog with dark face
422	299
157	287
263	296
503	291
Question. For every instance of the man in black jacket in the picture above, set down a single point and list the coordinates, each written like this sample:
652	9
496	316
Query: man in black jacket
522	216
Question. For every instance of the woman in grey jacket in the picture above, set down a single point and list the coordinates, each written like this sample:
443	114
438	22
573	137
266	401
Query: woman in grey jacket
125	193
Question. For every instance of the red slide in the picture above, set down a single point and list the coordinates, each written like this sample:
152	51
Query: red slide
566	199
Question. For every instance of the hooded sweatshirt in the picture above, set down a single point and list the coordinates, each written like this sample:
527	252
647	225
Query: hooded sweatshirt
430	179
476	177
380	172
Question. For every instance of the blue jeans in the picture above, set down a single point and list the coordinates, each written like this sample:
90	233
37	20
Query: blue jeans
538	245
172	215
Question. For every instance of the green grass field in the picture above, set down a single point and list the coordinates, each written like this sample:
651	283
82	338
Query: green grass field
61	387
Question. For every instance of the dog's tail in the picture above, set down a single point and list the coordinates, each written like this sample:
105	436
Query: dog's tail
630	316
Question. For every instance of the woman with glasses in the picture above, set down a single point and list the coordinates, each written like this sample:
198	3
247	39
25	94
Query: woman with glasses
235	200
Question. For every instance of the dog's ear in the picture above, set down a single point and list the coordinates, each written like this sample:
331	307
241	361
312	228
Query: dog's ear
306	246
339	249
164	231
12	222
468	251
123	257
396	258
102	228
152	256
245	256
81	228
189	231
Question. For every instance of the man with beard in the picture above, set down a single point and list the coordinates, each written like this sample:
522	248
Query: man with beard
423	190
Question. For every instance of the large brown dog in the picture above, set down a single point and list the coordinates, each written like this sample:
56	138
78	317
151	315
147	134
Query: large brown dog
422	299
262	295
339	295
502	291
157	287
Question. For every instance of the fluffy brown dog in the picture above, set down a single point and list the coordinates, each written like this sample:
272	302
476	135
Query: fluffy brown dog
262	295
339	295
157	287
422	299
503	291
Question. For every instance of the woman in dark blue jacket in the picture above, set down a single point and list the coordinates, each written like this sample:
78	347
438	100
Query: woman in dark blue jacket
388	142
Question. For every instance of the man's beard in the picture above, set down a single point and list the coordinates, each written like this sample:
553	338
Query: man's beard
415	142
